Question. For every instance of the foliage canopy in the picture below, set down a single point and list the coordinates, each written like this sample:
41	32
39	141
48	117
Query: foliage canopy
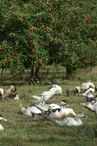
37	32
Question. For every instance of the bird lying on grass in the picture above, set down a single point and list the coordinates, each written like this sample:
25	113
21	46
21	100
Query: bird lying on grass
9	93
1	127
59	112
38	109
83	90
54	111
30	110
70	121
1	92
47	95
92	105
13	96
60	115
90	97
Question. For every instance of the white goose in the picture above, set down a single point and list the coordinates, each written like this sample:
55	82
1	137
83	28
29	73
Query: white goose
1	127
47	95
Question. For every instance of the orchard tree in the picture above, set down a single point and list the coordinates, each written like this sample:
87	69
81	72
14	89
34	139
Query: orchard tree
75	34
48	31
25	35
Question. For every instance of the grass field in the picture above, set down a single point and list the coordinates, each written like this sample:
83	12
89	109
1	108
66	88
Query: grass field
21	130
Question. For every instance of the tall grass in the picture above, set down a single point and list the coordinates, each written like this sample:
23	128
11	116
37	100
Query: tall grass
21	130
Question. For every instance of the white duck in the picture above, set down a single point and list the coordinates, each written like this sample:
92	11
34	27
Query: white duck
91	105
1	127
58	112
86	88
47	95
29	110
1	91
44	108
69	121
90	97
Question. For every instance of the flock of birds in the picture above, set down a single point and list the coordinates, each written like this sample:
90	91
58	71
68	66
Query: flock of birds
43	108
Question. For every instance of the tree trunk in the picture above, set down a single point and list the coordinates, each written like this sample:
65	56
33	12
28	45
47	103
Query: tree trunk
37	72
32	75
68	72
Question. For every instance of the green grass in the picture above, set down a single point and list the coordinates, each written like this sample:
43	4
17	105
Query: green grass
21	130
